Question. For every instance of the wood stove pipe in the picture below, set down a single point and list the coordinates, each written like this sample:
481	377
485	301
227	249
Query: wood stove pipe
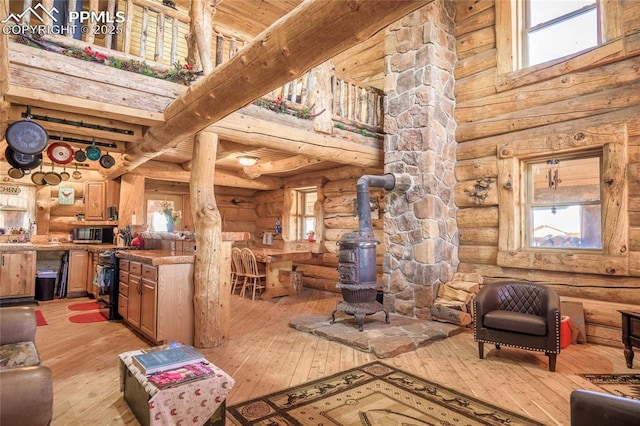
387	181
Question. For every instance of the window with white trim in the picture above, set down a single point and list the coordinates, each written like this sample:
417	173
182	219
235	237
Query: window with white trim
303	217
563	204
554	29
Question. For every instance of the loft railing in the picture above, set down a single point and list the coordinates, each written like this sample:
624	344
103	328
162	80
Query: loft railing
159	36
354	107
150	32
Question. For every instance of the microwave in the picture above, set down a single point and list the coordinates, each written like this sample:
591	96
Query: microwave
93	235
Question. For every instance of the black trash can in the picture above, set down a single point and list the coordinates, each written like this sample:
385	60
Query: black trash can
45	284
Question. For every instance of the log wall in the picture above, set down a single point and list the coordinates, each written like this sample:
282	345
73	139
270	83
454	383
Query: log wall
237	206
337	193
588	92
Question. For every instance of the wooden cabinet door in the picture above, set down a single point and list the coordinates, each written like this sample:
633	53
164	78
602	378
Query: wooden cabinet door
77	277
135	291
18	274
95	196
148	308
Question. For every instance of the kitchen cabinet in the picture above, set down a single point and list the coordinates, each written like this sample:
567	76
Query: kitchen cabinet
77	273
157	301
98	196
18	274
123	289
148	300
134	282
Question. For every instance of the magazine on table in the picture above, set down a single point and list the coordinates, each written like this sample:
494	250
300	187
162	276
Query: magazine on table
180	375
167	359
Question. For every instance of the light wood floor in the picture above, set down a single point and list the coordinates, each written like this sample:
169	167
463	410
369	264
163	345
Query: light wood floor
264	354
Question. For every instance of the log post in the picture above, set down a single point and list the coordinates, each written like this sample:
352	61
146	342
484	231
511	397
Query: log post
321	98
210	289
43	209
201	32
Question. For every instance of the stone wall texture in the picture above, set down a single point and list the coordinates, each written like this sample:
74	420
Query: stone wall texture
420	228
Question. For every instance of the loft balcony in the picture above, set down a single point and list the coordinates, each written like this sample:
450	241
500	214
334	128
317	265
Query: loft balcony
76	84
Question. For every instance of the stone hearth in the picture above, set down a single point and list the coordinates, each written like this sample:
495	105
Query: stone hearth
401	335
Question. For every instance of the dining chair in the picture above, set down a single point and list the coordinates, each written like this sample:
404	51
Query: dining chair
237	272
253	278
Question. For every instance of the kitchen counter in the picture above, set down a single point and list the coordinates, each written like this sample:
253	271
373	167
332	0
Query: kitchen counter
156	257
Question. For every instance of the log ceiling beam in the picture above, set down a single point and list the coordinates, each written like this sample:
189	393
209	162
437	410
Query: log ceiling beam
250	130
65	103
286	165
312	33
176	173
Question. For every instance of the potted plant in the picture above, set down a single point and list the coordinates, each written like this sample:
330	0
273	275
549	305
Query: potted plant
311	236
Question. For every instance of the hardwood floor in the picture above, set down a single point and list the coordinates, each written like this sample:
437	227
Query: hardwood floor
264	354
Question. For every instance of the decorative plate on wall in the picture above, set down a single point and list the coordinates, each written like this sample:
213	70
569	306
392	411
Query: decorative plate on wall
66	195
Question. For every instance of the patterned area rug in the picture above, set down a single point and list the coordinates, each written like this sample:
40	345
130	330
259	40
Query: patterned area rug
374	394
626	385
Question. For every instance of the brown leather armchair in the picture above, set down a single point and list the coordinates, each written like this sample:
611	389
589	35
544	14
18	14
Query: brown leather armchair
519	314
590	408
26	392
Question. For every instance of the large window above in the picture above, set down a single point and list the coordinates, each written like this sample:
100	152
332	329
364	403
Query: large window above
563	203
554	29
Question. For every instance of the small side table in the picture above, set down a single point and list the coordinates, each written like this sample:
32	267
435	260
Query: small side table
195	403
630	334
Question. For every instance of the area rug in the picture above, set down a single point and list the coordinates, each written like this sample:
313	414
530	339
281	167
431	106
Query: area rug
87	317
40	319
374	394
84	306
626	385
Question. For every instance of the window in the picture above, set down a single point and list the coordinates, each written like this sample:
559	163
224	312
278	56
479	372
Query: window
554	29
598	235
532	31
303	218
154	216
563	203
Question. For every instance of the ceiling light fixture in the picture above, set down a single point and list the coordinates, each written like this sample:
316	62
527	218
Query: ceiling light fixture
247	160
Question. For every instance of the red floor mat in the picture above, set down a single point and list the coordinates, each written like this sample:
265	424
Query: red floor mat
84	306
40	319
87	317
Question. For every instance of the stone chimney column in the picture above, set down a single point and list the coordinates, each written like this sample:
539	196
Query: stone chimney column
421	233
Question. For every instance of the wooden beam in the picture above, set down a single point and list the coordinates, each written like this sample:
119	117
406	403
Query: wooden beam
66	103
175	172
286	165
250	130
312	33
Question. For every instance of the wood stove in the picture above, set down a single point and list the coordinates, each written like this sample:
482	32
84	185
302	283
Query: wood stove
357	258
